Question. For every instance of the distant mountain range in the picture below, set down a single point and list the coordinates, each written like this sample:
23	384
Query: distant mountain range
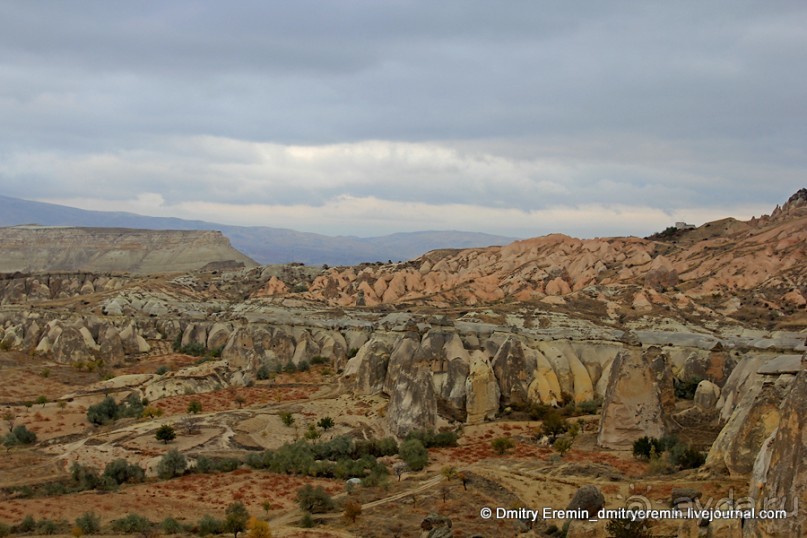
263	244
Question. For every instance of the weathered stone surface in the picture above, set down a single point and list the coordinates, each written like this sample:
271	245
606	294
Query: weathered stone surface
74	344
367	370
436	526
754	418
412	402
588	499
514	369
706	395
482	390
639	399
779	479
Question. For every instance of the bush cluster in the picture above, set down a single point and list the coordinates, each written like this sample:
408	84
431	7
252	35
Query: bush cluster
678	454
431	439
20	435
205	464
340	457
29	525
109	410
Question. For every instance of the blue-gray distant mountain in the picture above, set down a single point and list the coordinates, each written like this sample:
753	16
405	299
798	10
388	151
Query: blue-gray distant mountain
263	244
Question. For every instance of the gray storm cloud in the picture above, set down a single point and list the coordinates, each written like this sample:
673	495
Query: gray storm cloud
519	108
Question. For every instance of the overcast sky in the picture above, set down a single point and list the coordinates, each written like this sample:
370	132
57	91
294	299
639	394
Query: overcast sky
590	118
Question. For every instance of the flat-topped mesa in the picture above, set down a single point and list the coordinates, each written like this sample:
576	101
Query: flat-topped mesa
59	249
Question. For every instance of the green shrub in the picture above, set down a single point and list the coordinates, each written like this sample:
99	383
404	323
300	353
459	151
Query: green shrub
121	471
319	359
326	423
47	527
84	477
205	464
304	366
170	525
162	370
414	454
685	388
5	530
502	445
554	425
264	372
430	439
352	352
307	521
287	419
20	435
210	525
686	457
172	464
314	500
289	368
89	523
132	524
195	349
28	524
194	407
165	433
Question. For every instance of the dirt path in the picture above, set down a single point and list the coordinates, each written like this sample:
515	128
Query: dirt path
283	522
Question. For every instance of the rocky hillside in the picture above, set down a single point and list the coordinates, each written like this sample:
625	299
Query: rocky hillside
57	249
754	270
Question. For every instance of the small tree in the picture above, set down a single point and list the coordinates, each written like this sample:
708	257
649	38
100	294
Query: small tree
42	400
563	444
165	433
287	419
314	500
258	528
352	511
464	479
172	464
312	433
414	454
194	407
240	401
399	469
236	518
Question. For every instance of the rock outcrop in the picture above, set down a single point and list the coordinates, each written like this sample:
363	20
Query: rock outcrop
779	479
53	249
639	400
